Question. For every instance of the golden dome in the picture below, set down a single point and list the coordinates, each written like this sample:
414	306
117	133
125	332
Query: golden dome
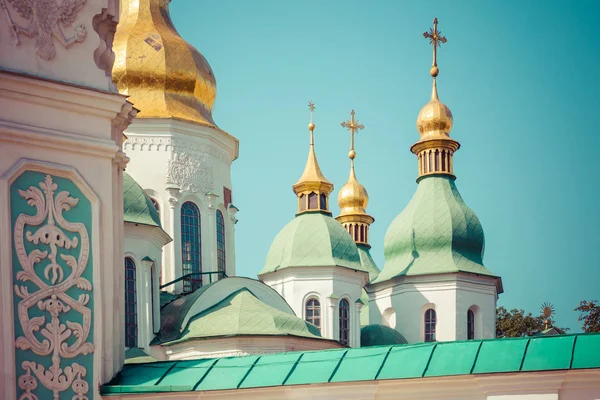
163	75
353	197
435	119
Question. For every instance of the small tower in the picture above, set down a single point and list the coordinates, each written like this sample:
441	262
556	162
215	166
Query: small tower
434	286
353	200
314	263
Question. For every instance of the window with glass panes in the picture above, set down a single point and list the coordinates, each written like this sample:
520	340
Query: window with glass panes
131	326
344	322
313	312
220	243
430	320
190	246
470	324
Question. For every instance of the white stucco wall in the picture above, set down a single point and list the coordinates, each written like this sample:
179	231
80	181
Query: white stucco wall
327	284
450	295
196	159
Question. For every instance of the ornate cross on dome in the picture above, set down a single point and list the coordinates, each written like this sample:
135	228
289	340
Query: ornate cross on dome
353	126
311	126
436	39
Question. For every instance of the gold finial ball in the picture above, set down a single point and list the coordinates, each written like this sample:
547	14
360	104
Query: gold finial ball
434	71
311	127
352	154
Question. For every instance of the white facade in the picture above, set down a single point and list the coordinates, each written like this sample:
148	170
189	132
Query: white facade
329	285
401	304
61	117
143	245
176	162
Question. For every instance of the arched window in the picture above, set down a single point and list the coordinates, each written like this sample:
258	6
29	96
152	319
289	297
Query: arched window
430	320
312	201
470	325
155	204
190	247
152	296
312	312
302	202
344	322
323	201
220	243
131	326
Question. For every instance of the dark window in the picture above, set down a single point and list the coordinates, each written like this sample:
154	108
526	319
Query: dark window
131	326
226	196
313	312
430	320
443	160
323	201
302	202
362	233
190	246
312	201
344	322
220	243
437	160
470	325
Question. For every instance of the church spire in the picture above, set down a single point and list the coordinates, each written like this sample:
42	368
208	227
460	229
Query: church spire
312	188
435	149
353	197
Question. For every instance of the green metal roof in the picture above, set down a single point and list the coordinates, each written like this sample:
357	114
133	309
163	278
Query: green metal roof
436	233
380	335
241	313
364	252
137	206
135	355
312	240
539	353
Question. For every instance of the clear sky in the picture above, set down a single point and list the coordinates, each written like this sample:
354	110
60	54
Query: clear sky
519	76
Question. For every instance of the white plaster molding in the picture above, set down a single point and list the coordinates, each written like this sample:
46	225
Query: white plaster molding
52	298
191	172
105	24
45	22
178	145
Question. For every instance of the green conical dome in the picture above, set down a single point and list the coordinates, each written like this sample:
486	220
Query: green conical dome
380	335
312	240
436	233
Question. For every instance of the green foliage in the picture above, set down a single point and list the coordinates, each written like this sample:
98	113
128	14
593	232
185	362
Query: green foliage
515	323
590	315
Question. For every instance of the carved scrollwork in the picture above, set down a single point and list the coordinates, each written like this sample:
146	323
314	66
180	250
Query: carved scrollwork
62	338
45	21
191	173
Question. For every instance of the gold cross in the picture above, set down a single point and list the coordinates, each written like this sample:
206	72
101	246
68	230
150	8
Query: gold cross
435	38
353	126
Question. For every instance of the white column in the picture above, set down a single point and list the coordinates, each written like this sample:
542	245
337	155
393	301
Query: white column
355	335
209	241
230	237
333	331
170	271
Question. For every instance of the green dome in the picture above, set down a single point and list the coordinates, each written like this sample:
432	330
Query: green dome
367	261
312	240
436	233
242	314
137	206
380	335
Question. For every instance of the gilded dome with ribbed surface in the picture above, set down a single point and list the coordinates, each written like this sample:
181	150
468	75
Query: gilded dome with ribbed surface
353	197
163	75
435	119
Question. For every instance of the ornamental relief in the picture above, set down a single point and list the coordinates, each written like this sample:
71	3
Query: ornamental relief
142	143
45	20
191	173
51	294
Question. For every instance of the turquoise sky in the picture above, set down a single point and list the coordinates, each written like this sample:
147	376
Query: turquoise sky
519	76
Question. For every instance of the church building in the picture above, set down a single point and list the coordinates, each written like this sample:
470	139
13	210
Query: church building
117	250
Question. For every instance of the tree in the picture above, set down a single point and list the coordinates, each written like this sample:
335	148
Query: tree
590	315
515	323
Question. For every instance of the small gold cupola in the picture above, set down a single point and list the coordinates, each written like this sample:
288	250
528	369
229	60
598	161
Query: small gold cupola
163	75
312	188
435	149
353	198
